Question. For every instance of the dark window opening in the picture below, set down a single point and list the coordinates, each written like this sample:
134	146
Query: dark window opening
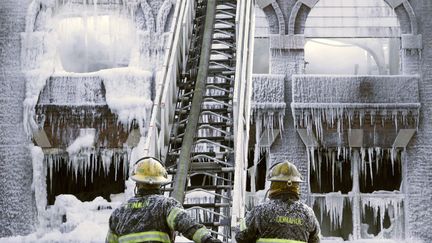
86	186
261	171
386	172
328	216
385	221
330	172
201	180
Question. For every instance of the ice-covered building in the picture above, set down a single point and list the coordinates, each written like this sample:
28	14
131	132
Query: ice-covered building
341	88
79	79
349	104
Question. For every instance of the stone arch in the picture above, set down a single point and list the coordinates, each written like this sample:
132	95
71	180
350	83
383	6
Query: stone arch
148	15
273	13
37	12
403	9
162	16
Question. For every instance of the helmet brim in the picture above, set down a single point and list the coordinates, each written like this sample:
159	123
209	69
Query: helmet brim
152	180
285	179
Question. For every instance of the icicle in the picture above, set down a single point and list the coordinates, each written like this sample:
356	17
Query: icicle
363	163
393	154
361	117
372	117
334	204
309	153
50	168
383	117
333	161
370	158
378	157
395	119
318	166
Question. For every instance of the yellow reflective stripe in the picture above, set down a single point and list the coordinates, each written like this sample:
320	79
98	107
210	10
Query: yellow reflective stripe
145	236
243	224
172	216
199	234
269	240
111	237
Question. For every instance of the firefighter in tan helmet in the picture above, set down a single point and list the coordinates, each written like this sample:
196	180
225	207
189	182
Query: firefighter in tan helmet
283	218
151	217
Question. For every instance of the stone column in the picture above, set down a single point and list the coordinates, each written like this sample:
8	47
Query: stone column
411	53
18	212
287	58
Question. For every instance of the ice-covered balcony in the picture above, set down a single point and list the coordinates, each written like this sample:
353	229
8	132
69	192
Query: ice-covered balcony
268	106
112	102
355	111
92	66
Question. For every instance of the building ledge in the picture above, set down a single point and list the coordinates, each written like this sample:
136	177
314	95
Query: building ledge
355	111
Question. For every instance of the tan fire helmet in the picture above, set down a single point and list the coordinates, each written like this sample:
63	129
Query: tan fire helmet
285	171
150	170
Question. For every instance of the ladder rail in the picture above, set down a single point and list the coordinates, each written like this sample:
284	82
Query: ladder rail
242	106
197	100
230	115
162	115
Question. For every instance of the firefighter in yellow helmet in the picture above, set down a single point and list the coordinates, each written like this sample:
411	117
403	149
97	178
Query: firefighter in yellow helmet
151	217
283	218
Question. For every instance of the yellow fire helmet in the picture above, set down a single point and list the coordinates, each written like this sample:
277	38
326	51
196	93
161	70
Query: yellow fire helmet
285	171
149	170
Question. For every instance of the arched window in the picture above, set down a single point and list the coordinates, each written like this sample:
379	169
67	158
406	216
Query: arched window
93	43
352	37
261	61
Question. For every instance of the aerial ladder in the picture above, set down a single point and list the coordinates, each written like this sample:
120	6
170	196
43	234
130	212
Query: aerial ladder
200	117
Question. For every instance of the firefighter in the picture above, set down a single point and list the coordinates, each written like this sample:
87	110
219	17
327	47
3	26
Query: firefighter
151	217
283	218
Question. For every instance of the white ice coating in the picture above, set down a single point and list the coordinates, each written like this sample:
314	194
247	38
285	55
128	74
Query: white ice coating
200	197
128	94
52	28
85	221
322	102
162	16
85	140
39	181
315	117
45	43
135	154
268	102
